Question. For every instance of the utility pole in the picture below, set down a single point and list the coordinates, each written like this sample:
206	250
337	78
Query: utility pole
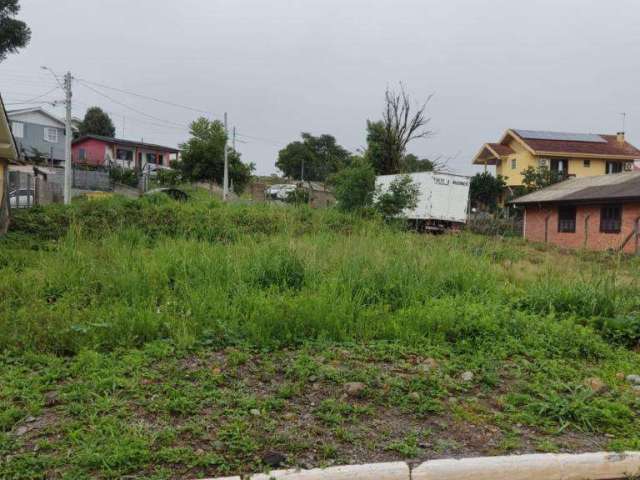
225	181
234	138
67	140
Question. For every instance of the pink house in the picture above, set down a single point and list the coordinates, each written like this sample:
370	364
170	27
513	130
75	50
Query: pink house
103	151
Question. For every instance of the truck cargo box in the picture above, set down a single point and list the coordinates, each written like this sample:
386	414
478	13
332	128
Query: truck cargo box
442	202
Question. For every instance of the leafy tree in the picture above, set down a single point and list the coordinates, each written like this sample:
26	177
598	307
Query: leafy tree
239	172
96	122
387	139
537	178
411	163
354	185
319	157
376	152
203	156
14	34
485	190
402	194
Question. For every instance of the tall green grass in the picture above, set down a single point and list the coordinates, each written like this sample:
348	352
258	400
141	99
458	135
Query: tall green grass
120	273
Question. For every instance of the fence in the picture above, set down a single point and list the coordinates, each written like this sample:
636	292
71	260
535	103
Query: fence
486	224
92	179
28	189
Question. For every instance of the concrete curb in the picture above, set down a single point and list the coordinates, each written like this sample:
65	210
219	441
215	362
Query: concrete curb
584	466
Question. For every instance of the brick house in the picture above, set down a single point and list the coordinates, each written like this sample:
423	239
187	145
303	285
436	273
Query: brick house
568	154
595	213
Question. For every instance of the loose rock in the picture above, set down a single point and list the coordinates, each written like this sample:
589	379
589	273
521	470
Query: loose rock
595	384
354	389
635	379
273	459
51	399
255	412
428	364
467	376
415	396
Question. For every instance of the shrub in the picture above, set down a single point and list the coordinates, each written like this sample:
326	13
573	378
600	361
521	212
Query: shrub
168	178
401	195
125	176
354	186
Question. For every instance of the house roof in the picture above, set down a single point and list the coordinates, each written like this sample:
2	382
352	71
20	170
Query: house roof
127	143
490	153
500	149
40	110
8	148
602	188
559	143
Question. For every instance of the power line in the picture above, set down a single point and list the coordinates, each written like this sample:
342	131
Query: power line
140	112
42	95
136	119
147	97
173	104
164	123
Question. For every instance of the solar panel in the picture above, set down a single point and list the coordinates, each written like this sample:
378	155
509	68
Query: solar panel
570	137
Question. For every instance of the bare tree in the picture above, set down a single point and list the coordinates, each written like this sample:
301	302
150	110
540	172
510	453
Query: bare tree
401	126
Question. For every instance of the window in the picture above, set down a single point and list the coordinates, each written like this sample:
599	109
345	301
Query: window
613	167
567	219
82	155
558	165
18	129
514	164
152	158
586	163
123	154
50	135
161	159
610	218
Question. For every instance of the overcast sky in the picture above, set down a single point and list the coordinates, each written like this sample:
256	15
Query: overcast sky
282	67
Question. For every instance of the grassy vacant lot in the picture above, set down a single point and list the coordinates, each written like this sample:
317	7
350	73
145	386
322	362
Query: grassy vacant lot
154	339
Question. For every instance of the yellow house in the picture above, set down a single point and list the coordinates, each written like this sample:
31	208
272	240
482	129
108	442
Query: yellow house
570	154
8	154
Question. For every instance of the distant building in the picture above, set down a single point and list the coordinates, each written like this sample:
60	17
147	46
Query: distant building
595	213
569	154
97	150
38	133
8	154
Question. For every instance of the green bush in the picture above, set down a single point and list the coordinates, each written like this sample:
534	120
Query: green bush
125	176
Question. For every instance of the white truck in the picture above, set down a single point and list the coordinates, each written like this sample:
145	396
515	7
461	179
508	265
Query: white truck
443	201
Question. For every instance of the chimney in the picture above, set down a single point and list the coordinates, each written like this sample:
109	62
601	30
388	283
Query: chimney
620	137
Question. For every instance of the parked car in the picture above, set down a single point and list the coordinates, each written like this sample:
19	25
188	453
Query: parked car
279	191
22	198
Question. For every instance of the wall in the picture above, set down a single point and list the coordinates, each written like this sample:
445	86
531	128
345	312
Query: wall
523	158
534	229
33	137
4	196
577	168
94	151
